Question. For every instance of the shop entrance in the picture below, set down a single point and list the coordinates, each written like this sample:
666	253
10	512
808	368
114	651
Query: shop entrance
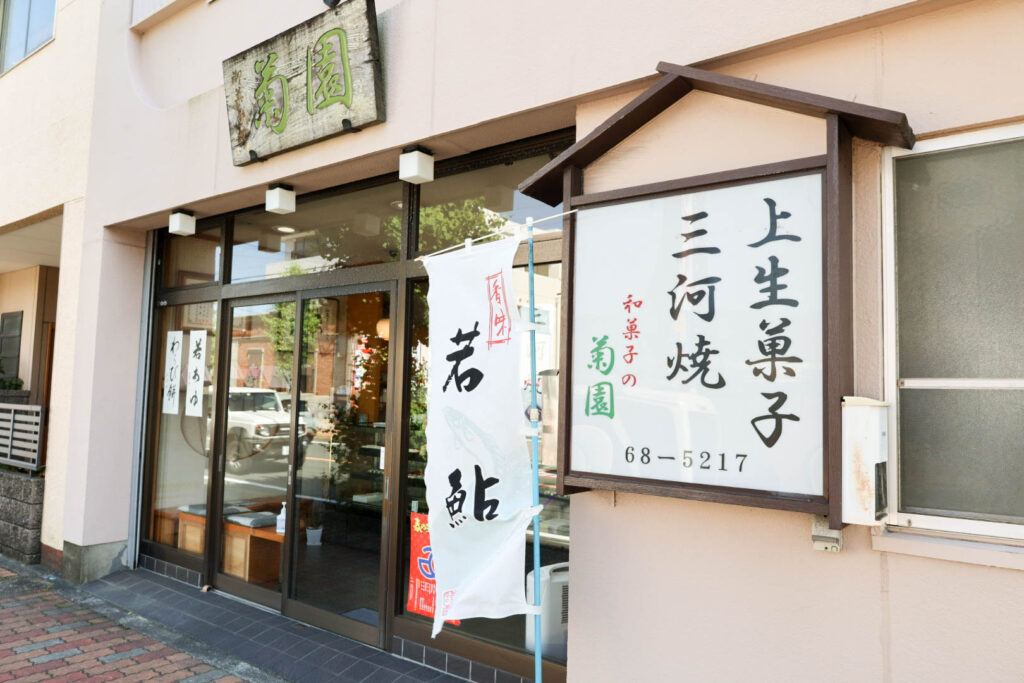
311	397
303	486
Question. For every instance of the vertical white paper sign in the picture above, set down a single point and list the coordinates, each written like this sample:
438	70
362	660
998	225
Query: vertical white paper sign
196	373
172	372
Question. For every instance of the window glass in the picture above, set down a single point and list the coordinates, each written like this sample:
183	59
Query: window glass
257	441
960	316
341	231
10	344
15	23
40	24
468	205
516	631
194	259
27	24
959	241
180	457
339	486
960	453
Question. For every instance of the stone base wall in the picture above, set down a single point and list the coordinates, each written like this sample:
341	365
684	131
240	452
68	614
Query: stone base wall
84	563
21	516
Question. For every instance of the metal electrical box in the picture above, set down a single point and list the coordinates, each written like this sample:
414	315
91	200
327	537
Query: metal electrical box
865	454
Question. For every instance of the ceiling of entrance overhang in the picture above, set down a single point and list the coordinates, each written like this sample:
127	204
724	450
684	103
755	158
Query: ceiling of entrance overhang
34	245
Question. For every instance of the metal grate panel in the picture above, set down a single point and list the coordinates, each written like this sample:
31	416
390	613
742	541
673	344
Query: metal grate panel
20	435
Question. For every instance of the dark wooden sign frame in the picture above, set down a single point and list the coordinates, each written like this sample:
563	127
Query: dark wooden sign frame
562	181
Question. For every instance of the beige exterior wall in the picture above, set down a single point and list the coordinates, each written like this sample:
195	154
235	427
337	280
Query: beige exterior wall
459	75
34	292
47	106
662	589
158	140
59	442
45	116
19	291
701	591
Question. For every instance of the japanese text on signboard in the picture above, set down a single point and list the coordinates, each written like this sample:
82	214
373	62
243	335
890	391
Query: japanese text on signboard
315	80
700	359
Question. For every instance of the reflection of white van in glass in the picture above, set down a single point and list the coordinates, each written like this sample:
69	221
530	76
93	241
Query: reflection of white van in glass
258	425
316	411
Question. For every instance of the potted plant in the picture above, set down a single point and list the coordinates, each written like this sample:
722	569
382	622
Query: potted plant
315	526
10	388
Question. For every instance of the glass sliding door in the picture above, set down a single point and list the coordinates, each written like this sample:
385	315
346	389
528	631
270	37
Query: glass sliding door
257	443
340	470
302	485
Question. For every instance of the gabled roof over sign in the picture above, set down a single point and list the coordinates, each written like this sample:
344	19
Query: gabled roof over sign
863	121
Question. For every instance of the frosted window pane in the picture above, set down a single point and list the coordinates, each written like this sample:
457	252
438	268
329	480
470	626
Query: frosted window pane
960	262
962	453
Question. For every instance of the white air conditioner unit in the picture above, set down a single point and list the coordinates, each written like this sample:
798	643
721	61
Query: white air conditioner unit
554	605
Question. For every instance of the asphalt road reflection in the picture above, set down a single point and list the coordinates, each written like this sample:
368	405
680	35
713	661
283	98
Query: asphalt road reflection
268	476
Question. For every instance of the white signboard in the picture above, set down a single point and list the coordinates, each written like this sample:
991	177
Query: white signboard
697	338
478	470
196	373
172	372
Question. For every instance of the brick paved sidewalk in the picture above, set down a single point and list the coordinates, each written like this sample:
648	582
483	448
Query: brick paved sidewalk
47	635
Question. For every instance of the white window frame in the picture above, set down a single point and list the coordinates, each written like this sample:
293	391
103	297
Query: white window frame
977	529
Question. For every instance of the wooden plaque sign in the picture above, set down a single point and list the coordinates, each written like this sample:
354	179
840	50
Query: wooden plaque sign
316	80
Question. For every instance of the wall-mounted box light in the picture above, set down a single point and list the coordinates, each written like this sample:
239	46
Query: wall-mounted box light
182	223
281	198
416	165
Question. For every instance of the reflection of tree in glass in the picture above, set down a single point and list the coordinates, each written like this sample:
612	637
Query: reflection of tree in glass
441	225
344	246
419	368
280	326
347	432
450	223
281	329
